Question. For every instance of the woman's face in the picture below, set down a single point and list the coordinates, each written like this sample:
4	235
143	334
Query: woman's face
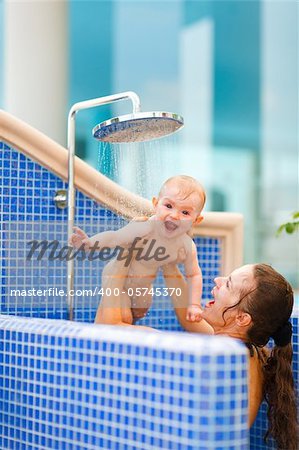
227	292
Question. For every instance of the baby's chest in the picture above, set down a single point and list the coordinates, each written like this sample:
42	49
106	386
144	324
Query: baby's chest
156	253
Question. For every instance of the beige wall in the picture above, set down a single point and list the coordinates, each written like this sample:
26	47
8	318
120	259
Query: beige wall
35	64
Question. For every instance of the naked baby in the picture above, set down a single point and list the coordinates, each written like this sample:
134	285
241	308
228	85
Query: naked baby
166	235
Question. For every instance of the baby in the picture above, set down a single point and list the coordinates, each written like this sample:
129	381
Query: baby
177	208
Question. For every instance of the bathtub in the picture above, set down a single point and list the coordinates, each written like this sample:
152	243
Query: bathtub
75	385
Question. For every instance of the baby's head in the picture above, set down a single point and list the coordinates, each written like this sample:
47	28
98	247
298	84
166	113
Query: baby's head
187	188
181	198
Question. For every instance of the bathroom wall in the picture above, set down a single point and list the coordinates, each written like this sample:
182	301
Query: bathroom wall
35	66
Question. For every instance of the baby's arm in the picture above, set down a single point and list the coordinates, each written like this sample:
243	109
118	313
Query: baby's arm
194	280
111	239
78	239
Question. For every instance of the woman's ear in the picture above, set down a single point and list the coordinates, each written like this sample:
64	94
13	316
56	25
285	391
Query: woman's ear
154	202
243	319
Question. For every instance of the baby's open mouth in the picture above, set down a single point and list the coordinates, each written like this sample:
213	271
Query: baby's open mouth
170	226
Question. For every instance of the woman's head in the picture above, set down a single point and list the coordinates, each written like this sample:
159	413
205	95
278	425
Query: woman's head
253	303
223	312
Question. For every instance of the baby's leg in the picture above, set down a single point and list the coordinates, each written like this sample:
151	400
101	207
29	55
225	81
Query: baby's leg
115	314
114	309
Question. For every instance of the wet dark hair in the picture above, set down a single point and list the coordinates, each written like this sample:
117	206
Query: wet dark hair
270	305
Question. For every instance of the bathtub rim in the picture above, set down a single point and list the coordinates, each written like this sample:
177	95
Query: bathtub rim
174	341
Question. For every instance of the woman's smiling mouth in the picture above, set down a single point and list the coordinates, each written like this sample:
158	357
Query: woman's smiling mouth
209	304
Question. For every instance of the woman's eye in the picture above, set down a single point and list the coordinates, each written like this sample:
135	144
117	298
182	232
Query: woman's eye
186	213
227	284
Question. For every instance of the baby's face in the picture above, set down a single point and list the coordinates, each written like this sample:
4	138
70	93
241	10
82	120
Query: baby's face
176	213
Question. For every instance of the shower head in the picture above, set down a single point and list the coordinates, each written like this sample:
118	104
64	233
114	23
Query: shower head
138	127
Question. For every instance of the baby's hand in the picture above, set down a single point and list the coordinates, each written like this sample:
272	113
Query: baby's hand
194	313
80	239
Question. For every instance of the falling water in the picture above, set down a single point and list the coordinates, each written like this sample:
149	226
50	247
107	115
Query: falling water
140	167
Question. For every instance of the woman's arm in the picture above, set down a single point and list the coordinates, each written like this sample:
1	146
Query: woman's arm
174	279
255	387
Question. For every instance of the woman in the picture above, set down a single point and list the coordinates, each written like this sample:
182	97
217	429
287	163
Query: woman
253	304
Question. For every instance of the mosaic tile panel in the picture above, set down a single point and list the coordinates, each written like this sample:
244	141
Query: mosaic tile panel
70	386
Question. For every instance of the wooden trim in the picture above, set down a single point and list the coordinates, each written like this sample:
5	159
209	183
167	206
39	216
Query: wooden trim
229	228
49	154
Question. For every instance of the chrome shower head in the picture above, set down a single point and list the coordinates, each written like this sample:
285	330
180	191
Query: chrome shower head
138	127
